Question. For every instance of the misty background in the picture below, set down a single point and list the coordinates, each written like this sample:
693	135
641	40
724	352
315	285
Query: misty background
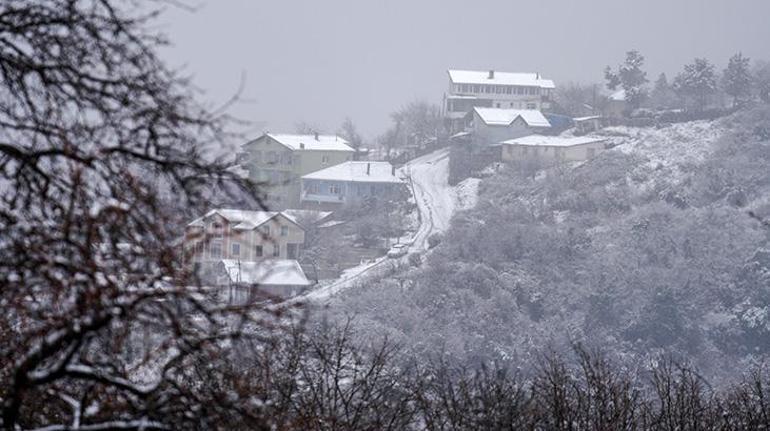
318	62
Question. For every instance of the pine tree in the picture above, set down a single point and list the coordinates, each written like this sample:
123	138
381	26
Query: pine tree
630	77
736	79
662	95
697	82
761	78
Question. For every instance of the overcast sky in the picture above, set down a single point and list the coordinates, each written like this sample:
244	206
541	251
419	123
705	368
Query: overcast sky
320	61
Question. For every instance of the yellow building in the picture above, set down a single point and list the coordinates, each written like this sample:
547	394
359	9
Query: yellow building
280	160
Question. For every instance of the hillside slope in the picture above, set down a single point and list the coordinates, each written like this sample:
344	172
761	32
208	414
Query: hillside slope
647	249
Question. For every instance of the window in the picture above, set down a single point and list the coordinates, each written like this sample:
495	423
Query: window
284	230
524	150
258	251
531	106
215	249
236	248
498	105
508	89
218	230
276	250
334	189
266	230
324	160
271	157
258	156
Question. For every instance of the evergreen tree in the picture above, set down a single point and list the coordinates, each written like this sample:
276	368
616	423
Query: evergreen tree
697	82
630	77
761	79
662	95
736	79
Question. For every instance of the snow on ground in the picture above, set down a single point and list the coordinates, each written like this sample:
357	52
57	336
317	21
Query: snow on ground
667	148
436	200
467	194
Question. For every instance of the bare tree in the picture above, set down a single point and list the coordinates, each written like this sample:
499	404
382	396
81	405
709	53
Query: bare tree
102	155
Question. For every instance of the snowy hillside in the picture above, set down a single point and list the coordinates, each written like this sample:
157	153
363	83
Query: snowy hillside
626	251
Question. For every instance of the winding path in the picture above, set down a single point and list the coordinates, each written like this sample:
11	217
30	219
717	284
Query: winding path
434	197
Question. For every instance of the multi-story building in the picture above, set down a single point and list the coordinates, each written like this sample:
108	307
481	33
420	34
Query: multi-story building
492	89
280	160
244	236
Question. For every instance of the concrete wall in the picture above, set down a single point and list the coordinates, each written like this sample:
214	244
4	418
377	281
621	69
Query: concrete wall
548	154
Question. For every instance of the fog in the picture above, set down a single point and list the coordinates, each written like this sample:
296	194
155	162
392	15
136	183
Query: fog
384	215
320	61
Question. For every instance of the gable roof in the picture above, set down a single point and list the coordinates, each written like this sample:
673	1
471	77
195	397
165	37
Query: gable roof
242	219
505	117
309	142
500	78
379	172
273	272
552	141
618	96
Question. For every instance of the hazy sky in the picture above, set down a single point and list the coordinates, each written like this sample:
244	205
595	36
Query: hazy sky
319	61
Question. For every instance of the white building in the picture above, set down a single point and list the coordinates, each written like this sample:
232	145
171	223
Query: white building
492	125
551	149
492	89
350	182
245	281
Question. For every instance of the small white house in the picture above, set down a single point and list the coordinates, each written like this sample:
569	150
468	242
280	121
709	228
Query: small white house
492	125
551	149
589	124
244	281
350	183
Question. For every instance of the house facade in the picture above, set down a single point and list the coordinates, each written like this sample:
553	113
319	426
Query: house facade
243	236
280	160
492	89
551	149
350	183
492	125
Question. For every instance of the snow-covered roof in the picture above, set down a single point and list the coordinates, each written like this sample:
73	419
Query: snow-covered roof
552	141
592	117
499	78
312	142
307	216
242	219
618	96
362	172
504	117
273	272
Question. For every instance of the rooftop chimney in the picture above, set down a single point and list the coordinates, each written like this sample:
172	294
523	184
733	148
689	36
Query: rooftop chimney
301	145
393	170
368	168
491	74
316	136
